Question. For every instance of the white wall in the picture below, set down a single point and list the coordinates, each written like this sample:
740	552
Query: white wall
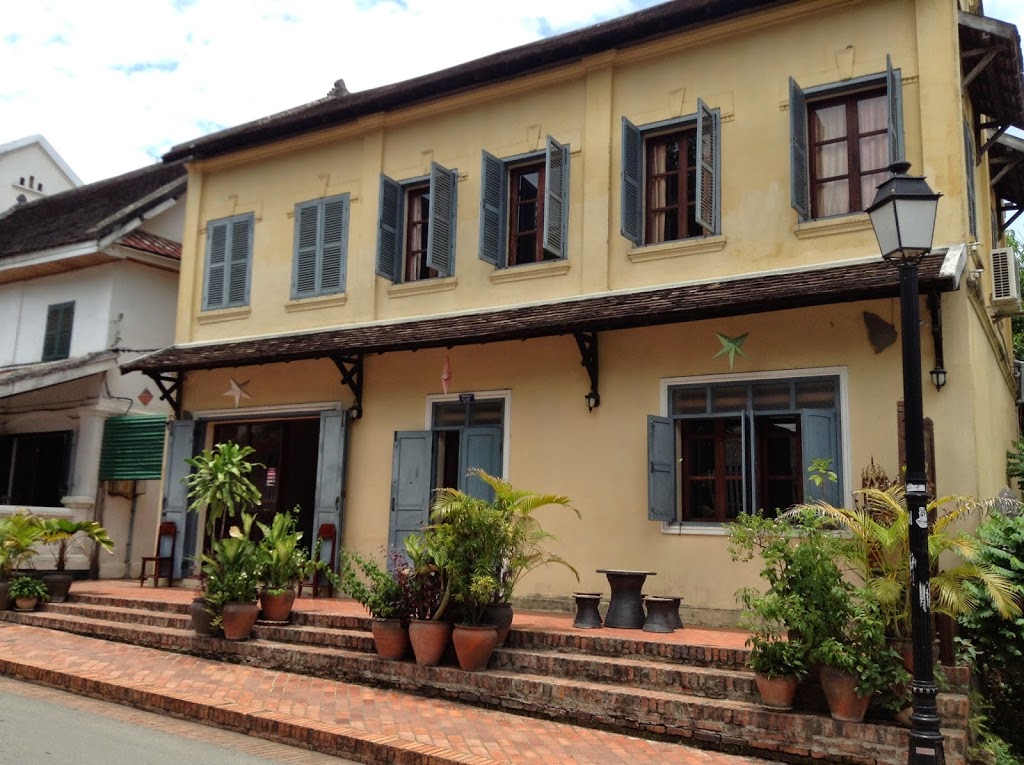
29	162
169	224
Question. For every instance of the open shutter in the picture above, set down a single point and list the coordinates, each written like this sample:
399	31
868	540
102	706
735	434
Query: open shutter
240	254
632	224
216	265
479	448
894	90
330	472
493	193
410	486
441	229
800	182
707	172
334	243
661	471
180	446
556	197
389	228
821	441
307	216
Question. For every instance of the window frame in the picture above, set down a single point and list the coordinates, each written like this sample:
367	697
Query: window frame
705	128
57	338
232	228
318	252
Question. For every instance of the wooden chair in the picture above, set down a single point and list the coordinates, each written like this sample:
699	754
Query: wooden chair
163	561
327	536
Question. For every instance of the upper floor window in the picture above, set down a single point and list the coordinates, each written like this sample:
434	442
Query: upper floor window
416	226
524	207
733	447
670	178
843	138
321	244
228	262
60	318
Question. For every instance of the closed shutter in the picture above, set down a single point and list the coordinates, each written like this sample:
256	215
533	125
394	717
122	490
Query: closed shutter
304	276
632	224
661	470
330	472
240	254
389	229
180	447
334	245
493	196
410	486
441	229
708	152
133	448
479	448
800	182
556	197
821	441
216	265
972	198
894	91
60	320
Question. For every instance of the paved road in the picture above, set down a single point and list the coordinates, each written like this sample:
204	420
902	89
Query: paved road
42	726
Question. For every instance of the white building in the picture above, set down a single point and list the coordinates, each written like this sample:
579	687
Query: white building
30	169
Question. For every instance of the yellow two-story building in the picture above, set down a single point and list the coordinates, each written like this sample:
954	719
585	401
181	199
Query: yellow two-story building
629	264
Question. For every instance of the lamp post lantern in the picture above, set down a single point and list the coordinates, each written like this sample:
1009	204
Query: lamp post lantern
903	217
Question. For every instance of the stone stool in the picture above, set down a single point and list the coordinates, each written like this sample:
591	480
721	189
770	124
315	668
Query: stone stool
587	615
677	622
659	614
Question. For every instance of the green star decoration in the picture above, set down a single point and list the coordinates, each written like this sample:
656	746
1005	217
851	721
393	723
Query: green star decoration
731	346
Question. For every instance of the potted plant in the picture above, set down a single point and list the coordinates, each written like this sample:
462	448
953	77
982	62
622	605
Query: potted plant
218	482
387	596
778	666
231	570
283	562
19	535
429	596
61	532
27	592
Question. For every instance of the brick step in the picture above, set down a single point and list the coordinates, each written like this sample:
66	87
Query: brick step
348	639
120	614
133	603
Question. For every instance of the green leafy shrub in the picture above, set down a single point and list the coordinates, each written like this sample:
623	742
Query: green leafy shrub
27	587
774	657
384	592
231	569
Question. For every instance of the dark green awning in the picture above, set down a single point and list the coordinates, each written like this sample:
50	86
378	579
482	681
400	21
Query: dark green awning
133	448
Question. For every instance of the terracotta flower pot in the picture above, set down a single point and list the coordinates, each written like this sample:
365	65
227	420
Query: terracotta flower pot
840	691
474	645
238	619
500	615
276	607
429	639
390	638
776	692
201	618
25	604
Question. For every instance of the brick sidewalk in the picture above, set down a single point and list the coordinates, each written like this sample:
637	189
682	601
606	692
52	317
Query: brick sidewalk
367	724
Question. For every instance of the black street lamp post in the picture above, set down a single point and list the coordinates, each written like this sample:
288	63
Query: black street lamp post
903	217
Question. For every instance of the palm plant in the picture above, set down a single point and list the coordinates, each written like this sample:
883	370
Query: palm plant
19	535
62	532
880	531
219	482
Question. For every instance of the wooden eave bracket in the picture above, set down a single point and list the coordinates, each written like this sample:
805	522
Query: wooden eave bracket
1007	222
988	55
351	368
998	129
170	384
587	343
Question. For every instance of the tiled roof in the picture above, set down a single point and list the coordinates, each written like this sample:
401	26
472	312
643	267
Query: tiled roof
147	242
19	378
658	21
88	213
756	294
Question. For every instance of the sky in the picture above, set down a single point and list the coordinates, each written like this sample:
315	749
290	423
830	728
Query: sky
113	84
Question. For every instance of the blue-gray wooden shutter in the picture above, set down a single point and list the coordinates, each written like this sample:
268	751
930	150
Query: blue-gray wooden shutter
479	448
972	198
800	181
441	229
493	202
661	470
410	486
216	265
708	152
333	244
821	441
632	223
556	198
180	446
304	268
894	92
389	229
60	321
330	474
239	259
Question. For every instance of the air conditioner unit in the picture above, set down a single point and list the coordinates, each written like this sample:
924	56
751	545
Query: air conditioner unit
1005	283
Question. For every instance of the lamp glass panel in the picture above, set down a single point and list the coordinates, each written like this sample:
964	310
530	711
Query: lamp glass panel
917	223
883	221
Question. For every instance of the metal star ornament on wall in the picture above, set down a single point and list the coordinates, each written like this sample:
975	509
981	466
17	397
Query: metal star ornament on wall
237	390
731	347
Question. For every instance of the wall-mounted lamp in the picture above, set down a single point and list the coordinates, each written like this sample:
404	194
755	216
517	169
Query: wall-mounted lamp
938	376
355	412
593	399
